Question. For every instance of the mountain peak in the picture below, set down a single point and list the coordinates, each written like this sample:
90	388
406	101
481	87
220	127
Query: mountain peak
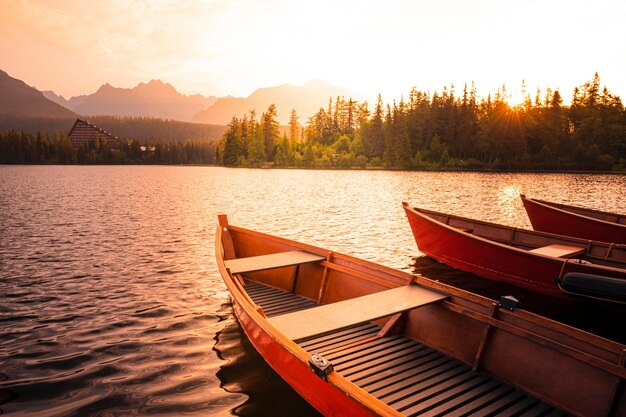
156	87
104	88
305	99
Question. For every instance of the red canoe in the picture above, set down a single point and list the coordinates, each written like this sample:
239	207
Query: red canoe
525	258
575	221
355	338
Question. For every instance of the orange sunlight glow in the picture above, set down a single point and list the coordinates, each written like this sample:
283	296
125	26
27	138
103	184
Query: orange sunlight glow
515	99
223	47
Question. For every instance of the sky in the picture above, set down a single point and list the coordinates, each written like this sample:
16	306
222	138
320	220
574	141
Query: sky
233	47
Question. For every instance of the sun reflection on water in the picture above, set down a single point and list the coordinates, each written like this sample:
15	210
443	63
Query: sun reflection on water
508	203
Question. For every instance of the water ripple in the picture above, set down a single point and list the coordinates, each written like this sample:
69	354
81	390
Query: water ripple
110	300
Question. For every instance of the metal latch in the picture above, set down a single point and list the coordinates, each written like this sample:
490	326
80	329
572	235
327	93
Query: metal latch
509	302
320	366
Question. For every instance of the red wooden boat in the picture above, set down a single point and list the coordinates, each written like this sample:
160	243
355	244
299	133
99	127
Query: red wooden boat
358	339
575	221
551	264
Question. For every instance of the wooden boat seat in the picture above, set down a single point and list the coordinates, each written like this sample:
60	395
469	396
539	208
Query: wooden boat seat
330	317
272	261
559	251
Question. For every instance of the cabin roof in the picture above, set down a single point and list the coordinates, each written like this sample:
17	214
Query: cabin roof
79	123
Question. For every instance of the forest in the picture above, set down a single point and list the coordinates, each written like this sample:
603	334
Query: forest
26	148
442	130
426	131
143	129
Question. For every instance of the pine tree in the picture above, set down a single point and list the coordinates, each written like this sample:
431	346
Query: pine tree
232	143
375	143
294	127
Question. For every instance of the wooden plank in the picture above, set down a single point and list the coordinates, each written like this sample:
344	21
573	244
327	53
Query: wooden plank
399	371
556	413
538	411
330	317
262	293
260	288
391	360
341	341
433	393
361	351
346	336
272	261
438	368
373	356
287	309
478	391
559	251
266	299
407	388
392	368
501	399
284	302
509	406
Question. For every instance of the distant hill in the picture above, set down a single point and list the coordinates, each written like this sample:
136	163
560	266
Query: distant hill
68	104
306	99
152	99
19	99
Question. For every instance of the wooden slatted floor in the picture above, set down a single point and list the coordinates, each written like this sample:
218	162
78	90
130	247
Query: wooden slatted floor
412	378
276	302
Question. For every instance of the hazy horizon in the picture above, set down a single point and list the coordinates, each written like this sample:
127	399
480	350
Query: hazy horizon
233	48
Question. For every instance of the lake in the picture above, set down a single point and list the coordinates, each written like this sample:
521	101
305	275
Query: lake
111	303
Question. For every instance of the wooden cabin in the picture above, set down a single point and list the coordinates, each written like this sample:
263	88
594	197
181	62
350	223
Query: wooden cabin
83	135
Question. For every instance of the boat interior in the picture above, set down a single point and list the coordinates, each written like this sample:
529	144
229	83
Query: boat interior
405	374
599	253
419	346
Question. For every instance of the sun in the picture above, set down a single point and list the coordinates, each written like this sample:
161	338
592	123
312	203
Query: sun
515	99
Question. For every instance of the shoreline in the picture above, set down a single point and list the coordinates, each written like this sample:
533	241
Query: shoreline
368	168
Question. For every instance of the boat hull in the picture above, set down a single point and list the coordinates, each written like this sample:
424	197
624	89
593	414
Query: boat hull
322	396
492	260
551	219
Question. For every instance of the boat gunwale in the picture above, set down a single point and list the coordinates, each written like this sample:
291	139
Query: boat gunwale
423	213
562	208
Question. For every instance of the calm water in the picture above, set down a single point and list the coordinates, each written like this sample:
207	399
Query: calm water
110	300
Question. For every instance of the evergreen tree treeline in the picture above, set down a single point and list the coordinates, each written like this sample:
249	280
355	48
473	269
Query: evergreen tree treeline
442	131
26	148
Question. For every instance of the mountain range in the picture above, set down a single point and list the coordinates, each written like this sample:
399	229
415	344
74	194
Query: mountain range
152	99
161	100
306	100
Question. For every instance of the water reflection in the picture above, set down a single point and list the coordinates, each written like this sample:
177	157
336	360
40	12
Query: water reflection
508	203
247	373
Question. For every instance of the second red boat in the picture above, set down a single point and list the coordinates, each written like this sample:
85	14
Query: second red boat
533	260
575	221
